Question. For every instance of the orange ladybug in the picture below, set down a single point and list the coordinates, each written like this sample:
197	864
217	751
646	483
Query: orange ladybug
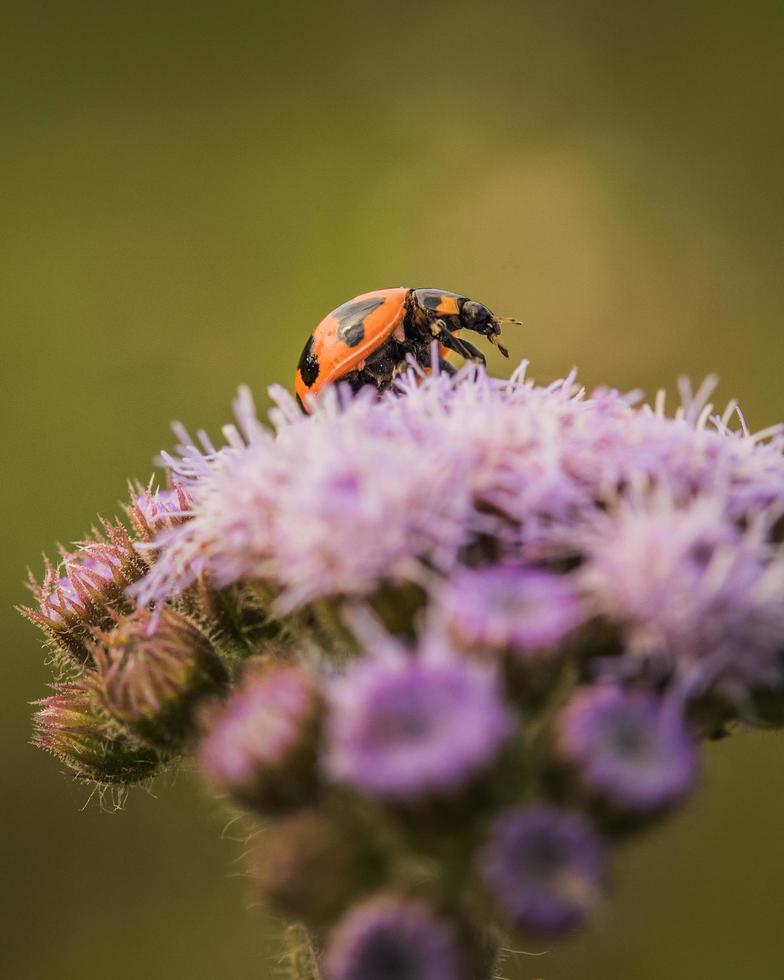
367	340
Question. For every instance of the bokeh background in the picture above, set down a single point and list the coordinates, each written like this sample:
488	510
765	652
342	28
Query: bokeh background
185	189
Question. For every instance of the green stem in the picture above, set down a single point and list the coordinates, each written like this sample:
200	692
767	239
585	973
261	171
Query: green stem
300	961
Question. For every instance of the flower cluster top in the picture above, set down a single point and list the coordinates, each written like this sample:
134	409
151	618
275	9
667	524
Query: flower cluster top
449	643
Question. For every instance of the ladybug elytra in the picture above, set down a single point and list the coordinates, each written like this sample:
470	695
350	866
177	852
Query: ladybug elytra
367	340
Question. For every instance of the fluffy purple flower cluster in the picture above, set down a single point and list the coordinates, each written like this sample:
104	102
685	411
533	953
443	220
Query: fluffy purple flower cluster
667	528
488	625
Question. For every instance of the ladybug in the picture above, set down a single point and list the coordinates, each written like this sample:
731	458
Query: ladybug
367	340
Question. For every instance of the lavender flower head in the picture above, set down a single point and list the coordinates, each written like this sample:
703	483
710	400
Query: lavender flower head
368	492
544	867
701	596
392	938
405	729
627	752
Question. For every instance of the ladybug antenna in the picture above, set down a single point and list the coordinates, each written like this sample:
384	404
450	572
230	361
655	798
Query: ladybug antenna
510	319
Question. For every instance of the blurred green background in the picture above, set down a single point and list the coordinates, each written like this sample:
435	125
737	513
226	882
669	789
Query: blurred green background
185	189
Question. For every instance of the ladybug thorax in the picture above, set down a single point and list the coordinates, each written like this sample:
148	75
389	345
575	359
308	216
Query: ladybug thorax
427	306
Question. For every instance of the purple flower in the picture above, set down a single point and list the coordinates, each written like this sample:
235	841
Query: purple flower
507	607
256	516
628	753
408	728
544	867
370	491
391	938
468	514
691	590
261	746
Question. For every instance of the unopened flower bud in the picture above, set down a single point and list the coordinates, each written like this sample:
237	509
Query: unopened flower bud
261	747
72	725
152	511
310	866
154	671
82	592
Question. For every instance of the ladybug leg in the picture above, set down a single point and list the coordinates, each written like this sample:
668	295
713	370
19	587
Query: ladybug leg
461	347
446	368
474	354
382	369
356	380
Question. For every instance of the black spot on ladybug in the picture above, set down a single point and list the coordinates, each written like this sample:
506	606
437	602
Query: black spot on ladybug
431	299
351	318
308	364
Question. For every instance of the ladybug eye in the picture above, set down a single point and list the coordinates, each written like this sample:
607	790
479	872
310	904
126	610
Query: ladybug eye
474	314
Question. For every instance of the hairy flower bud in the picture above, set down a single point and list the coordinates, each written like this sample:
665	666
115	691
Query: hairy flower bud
152	511
154	672
311	865
73	726
84	589
261	747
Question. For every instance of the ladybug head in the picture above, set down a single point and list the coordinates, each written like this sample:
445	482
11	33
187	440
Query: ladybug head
477	317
